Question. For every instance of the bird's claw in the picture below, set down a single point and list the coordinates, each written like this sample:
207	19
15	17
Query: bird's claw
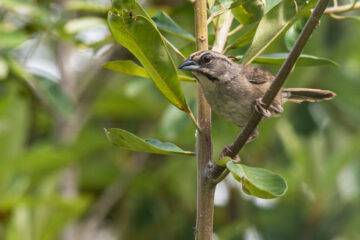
260	107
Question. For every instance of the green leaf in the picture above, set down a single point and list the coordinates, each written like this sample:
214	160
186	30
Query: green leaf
303	60
293	33
126	67
246	34
251	8
166	24
258	182
131	68
243	36
186	78
223	161
221	5
272	25
130	5
137	33
173	51
270	4
129	141
249	11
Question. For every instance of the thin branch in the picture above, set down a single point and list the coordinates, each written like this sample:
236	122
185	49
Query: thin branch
235	30
275	87
343	8
214	15
222	32
205	190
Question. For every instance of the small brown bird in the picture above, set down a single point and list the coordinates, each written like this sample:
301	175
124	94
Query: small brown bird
234	90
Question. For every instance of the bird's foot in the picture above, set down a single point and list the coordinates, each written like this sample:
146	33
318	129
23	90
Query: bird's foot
260	107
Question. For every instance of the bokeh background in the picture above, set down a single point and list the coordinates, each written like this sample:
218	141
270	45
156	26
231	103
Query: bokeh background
61	179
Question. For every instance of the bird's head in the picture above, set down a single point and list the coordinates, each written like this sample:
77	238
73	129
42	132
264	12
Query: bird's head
209	65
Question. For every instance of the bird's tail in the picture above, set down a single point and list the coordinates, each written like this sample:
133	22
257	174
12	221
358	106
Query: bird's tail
299	95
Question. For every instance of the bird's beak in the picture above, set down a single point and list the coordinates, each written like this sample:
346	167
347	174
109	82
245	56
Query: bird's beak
189	65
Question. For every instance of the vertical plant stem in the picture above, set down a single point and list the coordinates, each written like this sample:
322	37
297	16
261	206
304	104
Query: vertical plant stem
205	189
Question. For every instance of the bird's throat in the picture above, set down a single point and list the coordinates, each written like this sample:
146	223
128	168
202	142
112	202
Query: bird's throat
205	82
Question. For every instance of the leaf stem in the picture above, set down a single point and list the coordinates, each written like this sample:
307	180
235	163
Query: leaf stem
193	119
275	87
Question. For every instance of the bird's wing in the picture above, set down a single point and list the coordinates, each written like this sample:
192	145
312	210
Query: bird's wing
261	81
256	75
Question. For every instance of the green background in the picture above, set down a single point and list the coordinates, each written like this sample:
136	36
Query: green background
60	176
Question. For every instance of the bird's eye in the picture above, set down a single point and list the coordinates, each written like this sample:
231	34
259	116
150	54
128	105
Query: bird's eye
206	58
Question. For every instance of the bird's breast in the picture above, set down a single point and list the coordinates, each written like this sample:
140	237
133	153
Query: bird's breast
229	102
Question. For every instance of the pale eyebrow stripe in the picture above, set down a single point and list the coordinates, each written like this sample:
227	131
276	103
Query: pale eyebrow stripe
226	60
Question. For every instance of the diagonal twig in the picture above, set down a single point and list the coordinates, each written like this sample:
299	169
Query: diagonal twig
217	173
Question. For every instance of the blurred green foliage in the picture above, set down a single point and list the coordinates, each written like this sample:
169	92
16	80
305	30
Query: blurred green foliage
56	99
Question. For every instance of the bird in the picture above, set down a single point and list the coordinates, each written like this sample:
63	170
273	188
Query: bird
234	91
